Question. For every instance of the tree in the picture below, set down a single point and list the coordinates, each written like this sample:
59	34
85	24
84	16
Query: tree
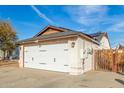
8	39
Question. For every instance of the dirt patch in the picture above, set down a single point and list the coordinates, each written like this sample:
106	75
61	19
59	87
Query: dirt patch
9	63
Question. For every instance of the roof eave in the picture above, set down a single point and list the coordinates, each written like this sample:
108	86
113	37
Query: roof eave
44	39
93	40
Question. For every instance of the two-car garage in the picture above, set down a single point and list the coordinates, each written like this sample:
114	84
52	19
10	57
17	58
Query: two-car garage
53	57
58	49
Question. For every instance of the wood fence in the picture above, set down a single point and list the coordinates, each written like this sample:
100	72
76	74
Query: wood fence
109	60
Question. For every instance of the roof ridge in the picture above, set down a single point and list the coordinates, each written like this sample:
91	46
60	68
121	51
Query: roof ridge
68	29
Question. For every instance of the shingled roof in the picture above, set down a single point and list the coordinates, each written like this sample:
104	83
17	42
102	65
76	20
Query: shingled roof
120	46
97	36
51	36
94	37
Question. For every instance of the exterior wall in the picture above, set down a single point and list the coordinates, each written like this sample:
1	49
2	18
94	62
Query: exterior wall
104	43
21	56
75	61
73	57
80	64
87	60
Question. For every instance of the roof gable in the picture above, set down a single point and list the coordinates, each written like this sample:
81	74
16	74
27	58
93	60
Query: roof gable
50	30
99	35
120	46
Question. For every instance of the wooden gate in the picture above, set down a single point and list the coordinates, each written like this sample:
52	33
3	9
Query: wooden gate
109	60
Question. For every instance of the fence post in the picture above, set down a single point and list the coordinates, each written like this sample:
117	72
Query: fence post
95	59
114	68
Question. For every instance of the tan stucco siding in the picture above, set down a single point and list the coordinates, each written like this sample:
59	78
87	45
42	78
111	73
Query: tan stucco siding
21	56
77	64
88	58
73	57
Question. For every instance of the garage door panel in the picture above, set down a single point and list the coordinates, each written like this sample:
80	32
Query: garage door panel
48	57
29	56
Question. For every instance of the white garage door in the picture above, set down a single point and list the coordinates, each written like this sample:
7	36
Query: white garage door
49	57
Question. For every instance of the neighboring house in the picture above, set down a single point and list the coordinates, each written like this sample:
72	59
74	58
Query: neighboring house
1	54
120	46
102	38
60	49
14	55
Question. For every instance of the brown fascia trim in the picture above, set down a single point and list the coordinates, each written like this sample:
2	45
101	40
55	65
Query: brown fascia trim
89	38
61	37
48	39
51	27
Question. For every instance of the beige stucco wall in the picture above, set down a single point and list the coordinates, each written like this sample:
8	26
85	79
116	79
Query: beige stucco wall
78	64
21	56
104	43
88	58
73	58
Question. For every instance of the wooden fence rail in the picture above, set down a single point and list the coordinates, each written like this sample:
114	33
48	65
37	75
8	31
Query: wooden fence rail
109	60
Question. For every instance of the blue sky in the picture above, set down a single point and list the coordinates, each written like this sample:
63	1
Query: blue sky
29	20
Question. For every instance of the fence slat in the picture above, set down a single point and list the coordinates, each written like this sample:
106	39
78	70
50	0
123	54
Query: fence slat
109	60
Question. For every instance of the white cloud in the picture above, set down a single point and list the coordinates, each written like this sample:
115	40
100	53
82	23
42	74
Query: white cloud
87	15
40	14
95	9
116	27
95	18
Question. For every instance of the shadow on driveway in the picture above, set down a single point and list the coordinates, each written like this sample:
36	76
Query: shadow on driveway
120	73
120	81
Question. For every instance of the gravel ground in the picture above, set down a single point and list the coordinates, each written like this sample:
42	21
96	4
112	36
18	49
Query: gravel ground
14	77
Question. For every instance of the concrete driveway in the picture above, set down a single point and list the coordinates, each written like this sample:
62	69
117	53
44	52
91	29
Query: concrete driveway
14	77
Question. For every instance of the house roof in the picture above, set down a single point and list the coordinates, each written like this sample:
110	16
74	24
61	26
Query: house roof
120	46
64	32
51	36
97	36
